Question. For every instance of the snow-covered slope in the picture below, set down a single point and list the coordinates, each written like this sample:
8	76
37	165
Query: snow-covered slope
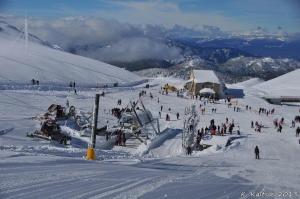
285	85
248	83
18	65
32	168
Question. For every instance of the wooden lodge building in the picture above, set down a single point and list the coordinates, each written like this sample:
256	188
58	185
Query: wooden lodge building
204	83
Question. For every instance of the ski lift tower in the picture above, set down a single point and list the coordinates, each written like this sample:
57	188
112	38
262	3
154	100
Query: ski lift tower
137	122
190	126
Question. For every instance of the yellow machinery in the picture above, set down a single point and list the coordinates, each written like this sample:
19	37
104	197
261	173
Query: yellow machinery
90	154
170	88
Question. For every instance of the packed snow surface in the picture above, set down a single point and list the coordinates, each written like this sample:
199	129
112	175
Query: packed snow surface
32	168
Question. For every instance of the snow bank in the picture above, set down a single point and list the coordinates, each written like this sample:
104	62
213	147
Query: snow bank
285	85
159	141
247	84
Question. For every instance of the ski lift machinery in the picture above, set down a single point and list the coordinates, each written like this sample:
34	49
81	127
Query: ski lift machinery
190	125
138	122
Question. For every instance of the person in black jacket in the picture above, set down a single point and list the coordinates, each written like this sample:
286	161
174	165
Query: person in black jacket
189	150
177	115
256	151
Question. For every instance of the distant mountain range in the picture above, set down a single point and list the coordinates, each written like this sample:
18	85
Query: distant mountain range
260	47
235	58
264	57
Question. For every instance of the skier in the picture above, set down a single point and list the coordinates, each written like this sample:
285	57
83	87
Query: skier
252	124
189	150
151	96
161	108
212	122
167	117
213	129
238	130
124	139
198	139
279	128
206	130
230	129
177	115
119	137
297	131
224	128
106	136
282	120
256	151
191	128
293	124
272	111
275	123
202	131
68	103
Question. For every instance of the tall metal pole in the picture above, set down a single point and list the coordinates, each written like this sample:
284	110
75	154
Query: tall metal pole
26	34
95	121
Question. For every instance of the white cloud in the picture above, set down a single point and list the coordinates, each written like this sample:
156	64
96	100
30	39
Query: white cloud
83	31
134	49
90	36
169	14
111	40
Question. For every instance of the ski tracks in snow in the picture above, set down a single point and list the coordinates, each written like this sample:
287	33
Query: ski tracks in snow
5	131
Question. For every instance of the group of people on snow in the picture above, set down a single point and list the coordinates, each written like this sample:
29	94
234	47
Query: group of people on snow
35	82
121	138
73	85
266	111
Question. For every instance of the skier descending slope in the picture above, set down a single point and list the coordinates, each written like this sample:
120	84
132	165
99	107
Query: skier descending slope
256	151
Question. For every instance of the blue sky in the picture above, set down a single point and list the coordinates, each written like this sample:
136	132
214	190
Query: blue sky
233	15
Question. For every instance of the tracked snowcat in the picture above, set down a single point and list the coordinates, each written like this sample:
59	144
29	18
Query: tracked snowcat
51	131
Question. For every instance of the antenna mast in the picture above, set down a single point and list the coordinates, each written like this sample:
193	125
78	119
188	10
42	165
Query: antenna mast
26	33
